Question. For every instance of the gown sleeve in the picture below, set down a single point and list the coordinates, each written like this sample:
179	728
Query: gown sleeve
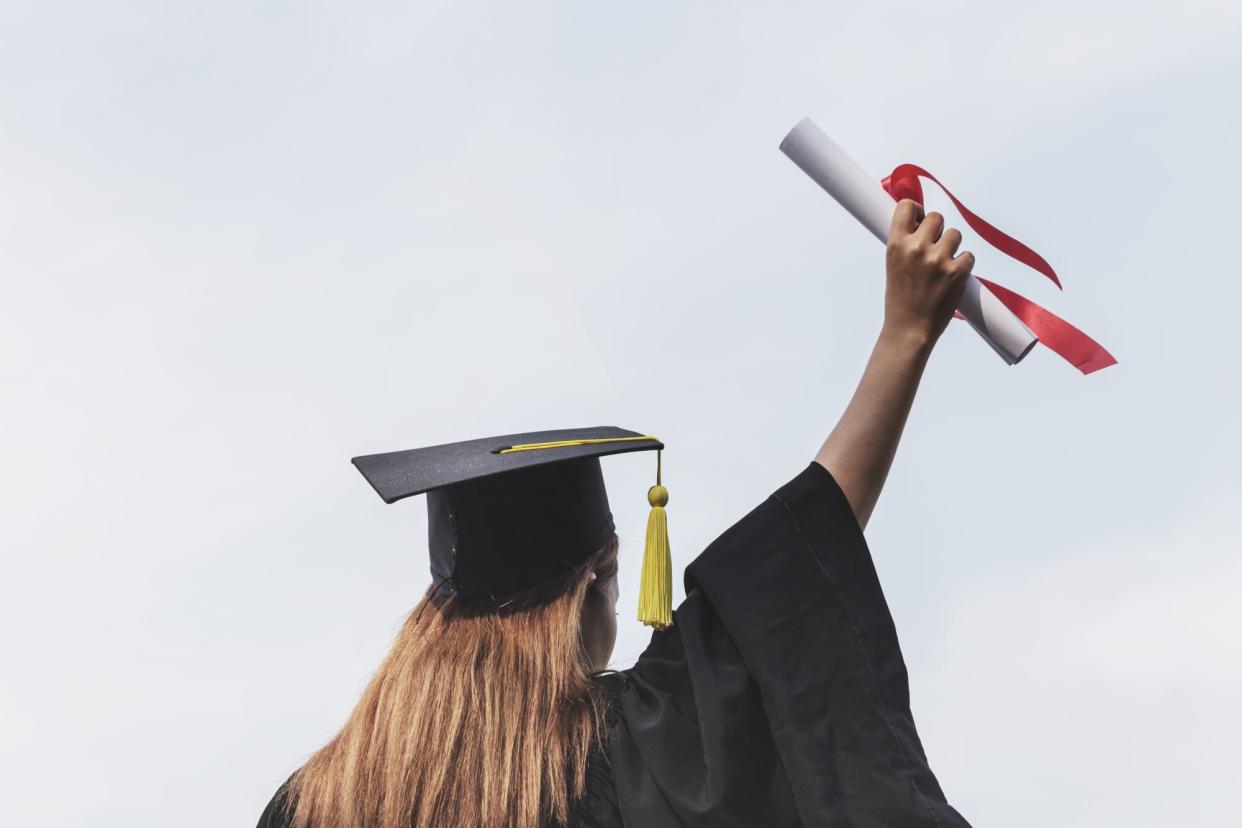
779	696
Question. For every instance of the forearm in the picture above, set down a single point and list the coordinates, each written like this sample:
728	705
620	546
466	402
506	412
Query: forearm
860	449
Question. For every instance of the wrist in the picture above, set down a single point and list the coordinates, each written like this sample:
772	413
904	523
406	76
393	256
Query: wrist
906	340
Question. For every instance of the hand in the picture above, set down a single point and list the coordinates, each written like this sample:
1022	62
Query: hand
925	279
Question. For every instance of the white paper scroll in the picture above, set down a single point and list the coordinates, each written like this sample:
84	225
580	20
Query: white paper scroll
863	197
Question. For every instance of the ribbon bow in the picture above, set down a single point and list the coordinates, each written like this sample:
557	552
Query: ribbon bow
1062	338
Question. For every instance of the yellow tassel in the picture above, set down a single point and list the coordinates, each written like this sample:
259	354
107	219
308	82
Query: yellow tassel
655	596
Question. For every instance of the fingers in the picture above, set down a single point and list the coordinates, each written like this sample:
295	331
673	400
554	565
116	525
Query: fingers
945	249
906	218
922	234
950	240
928	231
962	264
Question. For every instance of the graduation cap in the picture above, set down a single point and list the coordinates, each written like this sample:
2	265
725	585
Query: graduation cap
508	513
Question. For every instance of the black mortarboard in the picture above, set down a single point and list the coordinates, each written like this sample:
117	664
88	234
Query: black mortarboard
508	513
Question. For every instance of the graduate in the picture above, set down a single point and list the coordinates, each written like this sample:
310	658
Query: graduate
775	694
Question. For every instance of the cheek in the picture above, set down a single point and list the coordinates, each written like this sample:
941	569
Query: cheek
601	607
599	625
609	624
612	592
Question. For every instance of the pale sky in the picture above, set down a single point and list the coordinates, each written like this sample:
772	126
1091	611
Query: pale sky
241	243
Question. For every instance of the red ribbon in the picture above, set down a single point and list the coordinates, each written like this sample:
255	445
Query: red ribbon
1062	338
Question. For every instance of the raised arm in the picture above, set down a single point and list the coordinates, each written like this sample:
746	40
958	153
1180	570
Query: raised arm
925	280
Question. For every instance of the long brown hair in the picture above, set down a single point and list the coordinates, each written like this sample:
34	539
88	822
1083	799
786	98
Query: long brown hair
483	714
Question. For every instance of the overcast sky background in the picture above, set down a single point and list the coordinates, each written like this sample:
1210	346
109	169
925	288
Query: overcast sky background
241	243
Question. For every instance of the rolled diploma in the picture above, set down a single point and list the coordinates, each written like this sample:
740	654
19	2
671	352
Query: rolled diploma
862	196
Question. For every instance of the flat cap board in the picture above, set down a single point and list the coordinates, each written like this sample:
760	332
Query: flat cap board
398	474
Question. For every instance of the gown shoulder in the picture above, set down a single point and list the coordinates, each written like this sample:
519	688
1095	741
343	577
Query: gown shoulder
279	812
598	806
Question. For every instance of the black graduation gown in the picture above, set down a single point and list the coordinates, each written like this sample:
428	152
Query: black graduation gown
779	697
